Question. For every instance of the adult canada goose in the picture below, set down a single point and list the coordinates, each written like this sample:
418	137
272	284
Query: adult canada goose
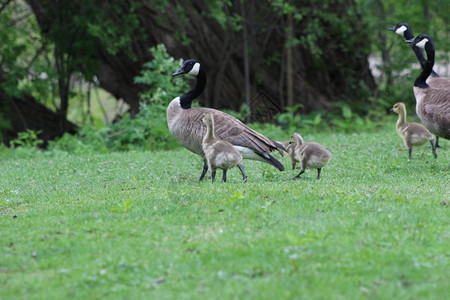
432	104
219	153
185	124
413	134
310	155
434	80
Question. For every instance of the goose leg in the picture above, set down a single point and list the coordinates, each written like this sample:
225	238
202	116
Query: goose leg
224	175
241	167
293	165
433	147
213	174
409	151
318	173
436	145
205	169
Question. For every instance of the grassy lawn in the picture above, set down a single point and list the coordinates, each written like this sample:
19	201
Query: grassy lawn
139	225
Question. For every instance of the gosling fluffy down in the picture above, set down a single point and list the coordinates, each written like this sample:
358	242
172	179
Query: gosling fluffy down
413	134
310	155
219	154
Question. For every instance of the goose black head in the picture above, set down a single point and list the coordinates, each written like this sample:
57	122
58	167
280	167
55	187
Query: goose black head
190	66
401	29
420	41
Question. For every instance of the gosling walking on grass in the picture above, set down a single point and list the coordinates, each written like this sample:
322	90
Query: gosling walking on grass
310	155
219	153
413	134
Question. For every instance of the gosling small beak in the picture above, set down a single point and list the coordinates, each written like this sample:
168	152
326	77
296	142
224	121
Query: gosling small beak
391	110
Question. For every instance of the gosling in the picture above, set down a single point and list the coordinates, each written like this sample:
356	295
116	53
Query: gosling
413	134
310	155
219	153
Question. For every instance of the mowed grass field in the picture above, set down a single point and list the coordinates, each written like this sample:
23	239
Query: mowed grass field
139	225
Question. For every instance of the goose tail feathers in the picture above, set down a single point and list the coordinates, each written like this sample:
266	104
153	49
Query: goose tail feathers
272	161
280	148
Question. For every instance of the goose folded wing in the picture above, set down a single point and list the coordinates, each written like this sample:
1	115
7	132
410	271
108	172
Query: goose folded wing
239	134
438	110
438	116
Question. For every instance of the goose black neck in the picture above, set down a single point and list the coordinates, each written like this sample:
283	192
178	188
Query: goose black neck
186	99
408	35
427	68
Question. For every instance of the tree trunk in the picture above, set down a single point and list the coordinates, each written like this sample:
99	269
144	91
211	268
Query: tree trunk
26	113
289	61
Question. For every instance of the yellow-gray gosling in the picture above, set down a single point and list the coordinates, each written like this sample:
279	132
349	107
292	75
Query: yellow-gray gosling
413	134
219	153
310	155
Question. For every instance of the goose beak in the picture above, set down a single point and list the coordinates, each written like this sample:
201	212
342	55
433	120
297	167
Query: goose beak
391	28
179	72
391	110
411	41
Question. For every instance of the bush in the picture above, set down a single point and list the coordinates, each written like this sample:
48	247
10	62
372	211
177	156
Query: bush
147	131
89	140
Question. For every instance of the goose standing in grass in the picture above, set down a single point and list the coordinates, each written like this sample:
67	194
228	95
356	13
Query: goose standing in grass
434	80
413	134
310	155
219	153
432	104
185	124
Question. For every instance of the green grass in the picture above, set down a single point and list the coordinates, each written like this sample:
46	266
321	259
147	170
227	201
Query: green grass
139	225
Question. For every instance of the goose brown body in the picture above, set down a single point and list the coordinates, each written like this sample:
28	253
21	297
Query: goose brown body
413	134
433	109
439	82
310	155
187	127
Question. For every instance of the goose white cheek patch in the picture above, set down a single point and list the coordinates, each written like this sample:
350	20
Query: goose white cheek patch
195	69
422	43
400	30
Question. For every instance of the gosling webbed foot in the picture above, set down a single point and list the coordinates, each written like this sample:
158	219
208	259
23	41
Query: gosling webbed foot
298	175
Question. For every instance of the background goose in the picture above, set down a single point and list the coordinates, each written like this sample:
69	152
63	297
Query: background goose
434	80
219	153
413	134
432	104
310	155
185	124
